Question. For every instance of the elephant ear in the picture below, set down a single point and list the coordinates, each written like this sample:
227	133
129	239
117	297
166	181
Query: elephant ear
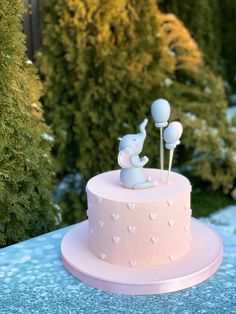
125	158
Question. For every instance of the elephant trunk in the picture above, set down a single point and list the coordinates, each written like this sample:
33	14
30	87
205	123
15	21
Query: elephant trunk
142	129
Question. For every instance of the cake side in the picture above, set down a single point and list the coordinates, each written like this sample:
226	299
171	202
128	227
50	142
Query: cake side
139	228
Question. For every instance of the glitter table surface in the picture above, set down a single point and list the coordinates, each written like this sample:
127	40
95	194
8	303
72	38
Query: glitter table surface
33	280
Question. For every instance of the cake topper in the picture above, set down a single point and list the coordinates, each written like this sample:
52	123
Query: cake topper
161	112
172	135
132	174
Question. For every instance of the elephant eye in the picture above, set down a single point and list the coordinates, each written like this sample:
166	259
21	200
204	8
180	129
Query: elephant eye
134	139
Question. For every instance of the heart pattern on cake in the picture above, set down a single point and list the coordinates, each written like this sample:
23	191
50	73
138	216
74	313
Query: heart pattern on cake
102	255
114	216
99	199
131	206
171	222
154	239
131	229
133	262
91	231
100	223
116	239
170	202
186	206
153	216
172	257
186	228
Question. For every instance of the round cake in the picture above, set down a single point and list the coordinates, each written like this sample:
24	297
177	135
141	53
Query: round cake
139	228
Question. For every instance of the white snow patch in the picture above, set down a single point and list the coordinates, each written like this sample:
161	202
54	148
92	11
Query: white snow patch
207	90
191	116
231	111
48	137
233	98
168	82
225	217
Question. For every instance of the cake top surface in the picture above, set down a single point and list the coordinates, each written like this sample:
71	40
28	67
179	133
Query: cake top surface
107	185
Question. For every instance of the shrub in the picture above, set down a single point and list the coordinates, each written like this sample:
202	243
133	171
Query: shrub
26	209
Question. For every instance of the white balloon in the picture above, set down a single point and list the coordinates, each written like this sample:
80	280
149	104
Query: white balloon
170	135
160	110
178	126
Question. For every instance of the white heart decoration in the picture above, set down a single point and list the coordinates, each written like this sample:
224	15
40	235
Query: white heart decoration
100	223
99	199
186	228
132	262
131	229
186	206
116	239
91	231
172	257
170	203
171	222
153	216
115	216
154	239
102	255
131	205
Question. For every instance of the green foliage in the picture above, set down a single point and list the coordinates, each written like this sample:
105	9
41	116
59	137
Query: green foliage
212	23
25	164
206	202
203	19
228	26
103	63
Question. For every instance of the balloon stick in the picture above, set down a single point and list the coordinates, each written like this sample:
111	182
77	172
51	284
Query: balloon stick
170	165
161	153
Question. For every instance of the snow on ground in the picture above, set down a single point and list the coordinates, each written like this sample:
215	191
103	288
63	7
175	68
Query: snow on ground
225	218
231	111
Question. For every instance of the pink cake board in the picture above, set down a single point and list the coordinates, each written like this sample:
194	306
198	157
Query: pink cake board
201	262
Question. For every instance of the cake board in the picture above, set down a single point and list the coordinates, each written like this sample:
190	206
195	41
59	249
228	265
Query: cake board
201	262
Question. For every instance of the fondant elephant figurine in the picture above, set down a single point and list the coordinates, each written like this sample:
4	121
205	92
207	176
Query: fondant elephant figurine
132	174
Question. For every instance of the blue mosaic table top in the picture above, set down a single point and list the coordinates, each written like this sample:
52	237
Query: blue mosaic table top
33	280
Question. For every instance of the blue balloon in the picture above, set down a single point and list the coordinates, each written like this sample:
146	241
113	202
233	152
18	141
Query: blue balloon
160	110
171	135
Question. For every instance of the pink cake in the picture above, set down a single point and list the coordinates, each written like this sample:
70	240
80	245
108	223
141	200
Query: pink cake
139	228
140	238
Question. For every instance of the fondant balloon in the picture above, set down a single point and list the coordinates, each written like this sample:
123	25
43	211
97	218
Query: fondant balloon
171	135
160	110
178	126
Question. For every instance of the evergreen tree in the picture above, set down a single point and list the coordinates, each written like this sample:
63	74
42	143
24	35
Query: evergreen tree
228	28
212	23
25	164
203	19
